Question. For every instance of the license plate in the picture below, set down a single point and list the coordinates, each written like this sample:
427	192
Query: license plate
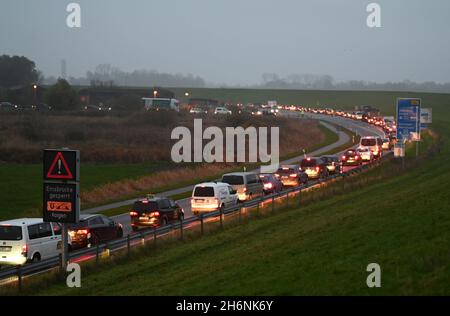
143	218
5	249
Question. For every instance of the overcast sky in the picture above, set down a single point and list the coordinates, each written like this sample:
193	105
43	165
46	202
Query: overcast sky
235	41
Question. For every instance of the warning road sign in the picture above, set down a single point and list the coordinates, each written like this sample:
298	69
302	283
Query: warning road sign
61	202
61	165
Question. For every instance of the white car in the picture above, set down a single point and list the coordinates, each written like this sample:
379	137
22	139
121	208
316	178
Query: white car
212	196
28	240
198	111
222	110
365	153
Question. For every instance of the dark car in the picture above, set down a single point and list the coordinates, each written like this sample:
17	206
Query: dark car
314	167
154	212
7	106
333	163
351	158
291	175
93	229
271	183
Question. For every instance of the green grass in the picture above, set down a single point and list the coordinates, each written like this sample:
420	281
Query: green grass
22	198
402	223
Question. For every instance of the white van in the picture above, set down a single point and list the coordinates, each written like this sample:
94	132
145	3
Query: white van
373	143
212	196
28	240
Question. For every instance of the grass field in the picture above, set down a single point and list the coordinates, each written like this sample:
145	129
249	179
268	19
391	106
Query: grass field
402	223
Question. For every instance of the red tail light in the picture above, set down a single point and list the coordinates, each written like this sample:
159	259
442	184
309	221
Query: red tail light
245	190
343	157
317	169
293	175
133	213
83	231
356	157
25	250
154	214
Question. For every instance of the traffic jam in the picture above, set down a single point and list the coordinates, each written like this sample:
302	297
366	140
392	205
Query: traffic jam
27	241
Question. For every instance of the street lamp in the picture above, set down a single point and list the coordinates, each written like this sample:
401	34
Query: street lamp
155	92
186	94
35	93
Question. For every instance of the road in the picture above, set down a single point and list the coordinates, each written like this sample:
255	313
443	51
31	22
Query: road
360	128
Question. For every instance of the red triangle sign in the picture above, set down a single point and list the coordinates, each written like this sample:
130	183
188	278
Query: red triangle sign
59	168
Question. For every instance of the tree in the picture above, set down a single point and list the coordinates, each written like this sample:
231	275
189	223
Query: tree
61	96
17	71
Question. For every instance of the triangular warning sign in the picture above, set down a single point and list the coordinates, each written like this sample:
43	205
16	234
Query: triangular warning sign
59	168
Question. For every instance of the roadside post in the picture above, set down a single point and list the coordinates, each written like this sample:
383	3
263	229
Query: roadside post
408	123
61	192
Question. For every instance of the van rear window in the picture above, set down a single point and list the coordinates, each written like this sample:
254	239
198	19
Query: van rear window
204	191
233	180
140	206
308	163
369	142
10	233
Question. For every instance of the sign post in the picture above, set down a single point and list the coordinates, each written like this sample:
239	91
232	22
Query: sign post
408	120
61	192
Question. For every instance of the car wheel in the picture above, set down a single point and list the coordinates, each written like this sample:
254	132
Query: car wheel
222	208
164	221
92	241
36	258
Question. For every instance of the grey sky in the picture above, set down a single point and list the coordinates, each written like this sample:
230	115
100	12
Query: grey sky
235	41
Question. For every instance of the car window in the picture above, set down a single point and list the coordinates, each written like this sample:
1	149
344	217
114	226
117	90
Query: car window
172	203
97	220
368	142
230	190
45	230
164	203
204	191
140	206
309	163
57	229
233	179
251	178
10	233
33	231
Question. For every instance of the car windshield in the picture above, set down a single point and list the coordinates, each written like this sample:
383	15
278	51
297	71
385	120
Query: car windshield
81	224
368	142
204	191
10	233
233	180
309	163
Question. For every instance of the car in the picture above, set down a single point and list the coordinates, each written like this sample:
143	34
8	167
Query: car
291	175
154	211
386	144
221	110
351	158
365	153
271	183
8	106
333	164
373	143
359	115
198	111
314	167
247	184
28	240
212	196
93	229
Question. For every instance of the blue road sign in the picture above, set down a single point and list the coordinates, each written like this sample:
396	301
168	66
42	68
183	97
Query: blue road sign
408	118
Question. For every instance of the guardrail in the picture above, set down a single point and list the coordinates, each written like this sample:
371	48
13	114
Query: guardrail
129	241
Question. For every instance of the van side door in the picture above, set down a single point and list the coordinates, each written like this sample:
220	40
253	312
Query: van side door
49	242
